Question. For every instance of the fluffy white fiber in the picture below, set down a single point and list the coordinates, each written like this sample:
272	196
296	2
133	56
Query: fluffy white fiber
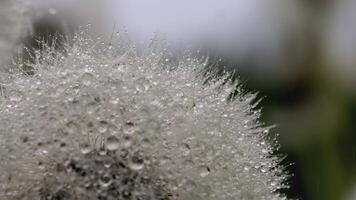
97	120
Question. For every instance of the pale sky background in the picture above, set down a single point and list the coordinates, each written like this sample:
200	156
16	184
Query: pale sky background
235	29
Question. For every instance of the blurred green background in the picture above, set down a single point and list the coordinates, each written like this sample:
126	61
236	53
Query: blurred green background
315	106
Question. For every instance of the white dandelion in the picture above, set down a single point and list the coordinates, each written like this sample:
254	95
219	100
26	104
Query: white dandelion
101	121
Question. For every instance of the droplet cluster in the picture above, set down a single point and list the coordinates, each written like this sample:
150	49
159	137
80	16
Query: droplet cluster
101	121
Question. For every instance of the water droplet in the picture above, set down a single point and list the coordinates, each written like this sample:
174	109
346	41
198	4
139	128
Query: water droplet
136	162
112	143
87	79
107	163
15	96
105	180
264	170
85	148
127	141
92	108
146	142
71	127
179	95
40	165
130	128
102	151
273	184
204	171
103	126
142	84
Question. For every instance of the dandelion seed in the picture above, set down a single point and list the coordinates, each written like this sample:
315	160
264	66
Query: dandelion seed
146	132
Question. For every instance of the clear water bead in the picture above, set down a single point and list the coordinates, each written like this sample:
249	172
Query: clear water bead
112	143
15	96
204	171
87	79
136	162
85	149
105	180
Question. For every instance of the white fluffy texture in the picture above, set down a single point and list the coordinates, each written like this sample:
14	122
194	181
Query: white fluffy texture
102	122
14	24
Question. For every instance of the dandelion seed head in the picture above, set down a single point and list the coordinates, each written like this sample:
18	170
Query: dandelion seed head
101	121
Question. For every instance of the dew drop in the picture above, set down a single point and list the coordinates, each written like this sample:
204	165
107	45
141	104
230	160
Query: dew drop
127	141
264	151
112	143
204	171
85	149
146	142
273	184
142	84
87	79
107	164
91	108
15	96
179	96
102	151
264	170
136	162
103	126
129	128
40	165
105	180
72	127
